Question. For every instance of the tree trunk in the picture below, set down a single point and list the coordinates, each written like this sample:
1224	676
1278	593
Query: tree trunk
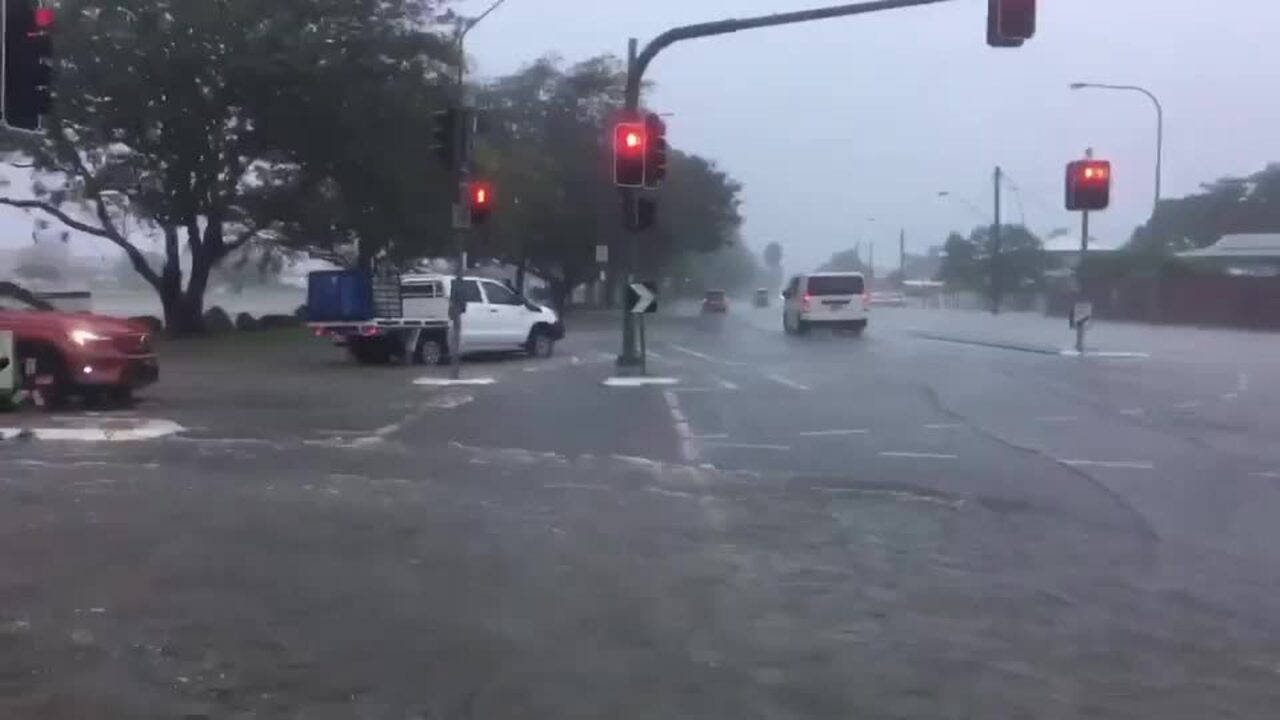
197	284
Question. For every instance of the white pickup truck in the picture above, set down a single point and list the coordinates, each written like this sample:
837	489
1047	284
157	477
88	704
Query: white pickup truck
407	318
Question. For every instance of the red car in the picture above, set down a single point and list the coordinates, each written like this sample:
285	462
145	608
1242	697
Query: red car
715	301
97	357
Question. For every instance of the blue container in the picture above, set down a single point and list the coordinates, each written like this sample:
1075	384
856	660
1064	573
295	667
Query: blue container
339	296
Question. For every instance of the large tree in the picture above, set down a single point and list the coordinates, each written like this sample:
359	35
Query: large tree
547	148
969	263
221	123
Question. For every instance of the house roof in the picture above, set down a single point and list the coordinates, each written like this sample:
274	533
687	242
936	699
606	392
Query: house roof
1259	246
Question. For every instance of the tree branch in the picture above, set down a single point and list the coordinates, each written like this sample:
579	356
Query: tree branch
135	256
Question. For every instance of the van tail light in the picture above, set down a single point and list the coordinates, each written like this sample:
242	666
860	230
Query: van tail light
369	330
320	332
866	300
805	301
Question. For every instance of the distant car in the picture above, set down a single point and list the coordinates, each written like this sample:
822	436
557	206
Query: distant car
832	299
761	298
888	299
715	302
93	356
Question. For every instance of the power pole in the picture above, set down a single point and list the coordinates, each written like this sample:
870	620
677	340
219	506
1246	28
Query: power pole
871	260
902	257
996	248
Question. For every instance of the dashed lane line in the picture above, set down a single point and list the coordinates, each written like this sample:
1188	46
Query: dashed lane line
942	426
1057	418
832	433
1111	464
747	446
787	382
918	455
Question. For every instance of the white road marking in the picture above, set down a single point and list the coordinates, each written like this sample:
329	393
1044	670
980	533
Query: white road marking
1115	464
747	446
726	385
920	455
1230	396
693	389
1057	418
704	356
1106	354
942	426
713	436
688	448
1269	474
445	382
788	382
832	433
145	430
1133	411
638	381
1188	404
653	355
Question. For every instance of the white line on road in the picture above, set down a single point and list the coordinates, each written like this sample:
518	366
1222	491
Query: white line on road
1115	464
704	356
1188	405
444	382
727	385
1269	474
942	426
713	436
638	381
920	455
688	448
832	433
1057	418
1230	396
1133	411
693	389
747	446
788	382
1107	354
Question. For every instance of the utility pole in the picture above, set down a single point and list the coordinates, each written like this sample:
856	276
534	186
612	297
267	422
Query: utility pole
871	260
996	248
902	257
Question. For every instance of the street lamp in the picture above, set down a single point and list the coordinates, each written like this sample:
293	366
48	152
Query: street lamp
461	174
1159	130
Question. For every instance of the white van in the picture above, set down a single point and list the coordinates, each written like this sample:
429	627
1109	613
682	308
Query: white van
833	299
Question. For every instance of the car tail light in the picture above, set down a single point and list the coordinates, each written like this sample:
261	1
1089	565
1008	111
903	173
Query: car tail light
805	301
369	330
320	332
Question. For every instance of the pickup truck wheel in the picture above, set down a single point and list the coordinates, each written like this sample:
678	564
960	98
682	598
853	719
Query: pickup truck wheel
430	351
540	343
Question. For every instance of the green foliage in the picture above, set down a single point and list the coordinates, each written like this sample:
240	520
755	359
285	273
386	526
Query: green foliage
218	123
1224	207
967	263
548	148
845	261
773	255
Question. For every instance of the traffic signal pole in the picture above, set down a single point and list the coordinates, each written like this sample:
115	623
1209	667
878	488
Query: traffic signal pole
996	248
637	63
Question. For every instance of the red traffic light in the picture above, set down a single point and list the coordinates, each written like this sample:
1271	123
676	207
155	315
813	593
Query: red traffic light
629	149
1088	185
480	201
44	18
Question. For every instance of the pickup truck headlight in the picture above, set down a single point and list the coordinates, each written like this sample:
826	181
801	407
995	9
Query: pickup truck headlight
84	337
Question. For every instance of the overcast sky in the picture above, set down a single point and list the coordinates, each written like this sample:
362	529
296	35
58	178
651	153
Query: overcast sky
830	123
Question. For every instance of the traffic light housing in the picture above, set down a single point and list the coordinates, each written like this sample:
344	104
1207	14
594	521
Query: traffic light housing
655	163
480	201
1010	22
28	63
1088	185
445	135
630	151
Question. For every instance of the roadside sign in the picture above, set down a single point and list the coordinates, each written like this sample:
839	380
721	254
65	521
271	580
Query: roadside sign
642	297
1081	314
602	254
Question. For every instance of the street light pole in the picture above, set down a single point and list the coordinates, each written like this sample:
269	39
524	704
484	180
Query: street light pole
461	173
1159	134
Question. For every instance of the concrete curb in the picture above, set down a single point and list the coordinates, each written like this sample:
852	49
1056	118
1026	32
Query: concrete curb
149	430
